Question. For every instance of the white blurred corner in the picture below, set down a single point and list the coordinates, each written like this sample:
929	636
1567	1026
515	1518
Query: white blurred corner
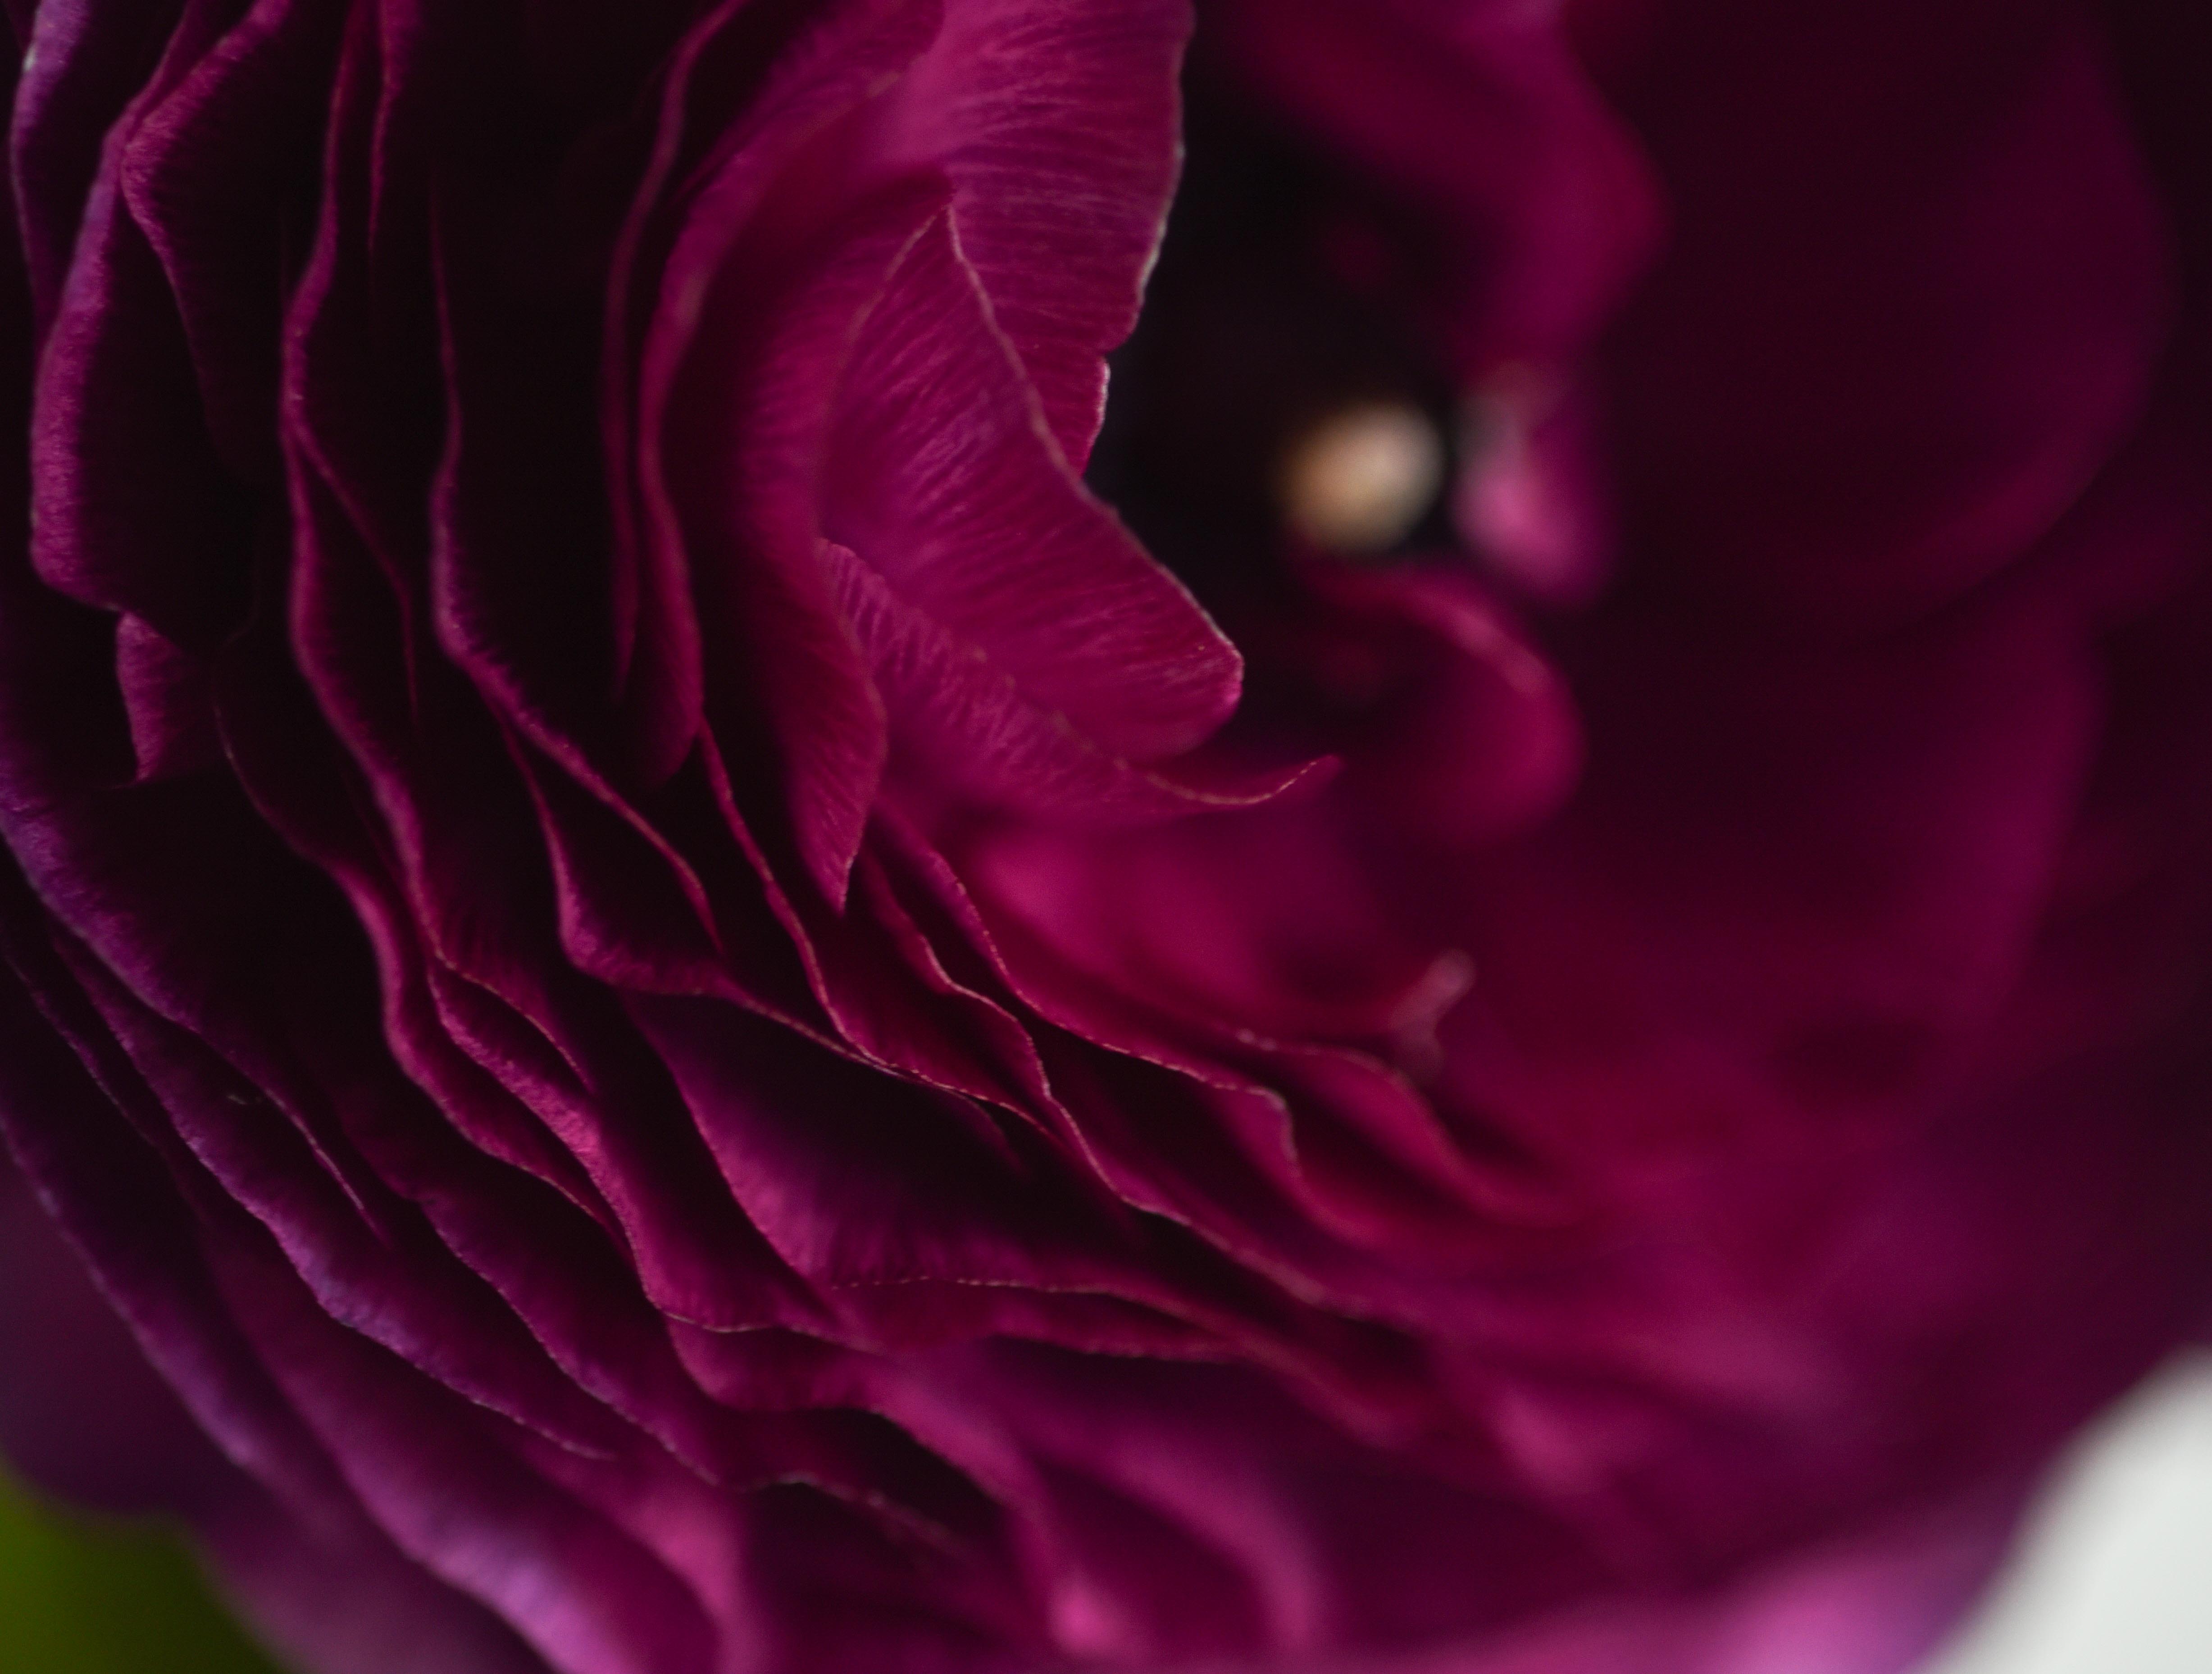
2116	1574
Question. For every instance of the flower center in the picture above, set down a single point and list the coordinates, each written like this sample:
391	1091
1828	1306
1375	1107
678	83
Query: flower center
1275	401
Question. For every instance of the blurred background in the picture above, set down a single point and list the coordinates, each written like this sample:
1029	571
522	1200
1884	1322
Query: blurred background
81	1597
2111	1579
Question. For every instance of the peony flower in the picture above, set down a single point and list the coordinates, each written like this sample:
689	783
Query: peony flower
1515	983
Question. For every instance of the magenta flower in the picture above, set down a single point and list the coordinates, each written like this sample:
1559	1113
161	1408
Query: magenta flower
699	1021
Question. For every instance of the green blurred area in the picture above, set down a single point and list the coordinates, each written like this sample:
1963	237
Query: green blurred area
84	1597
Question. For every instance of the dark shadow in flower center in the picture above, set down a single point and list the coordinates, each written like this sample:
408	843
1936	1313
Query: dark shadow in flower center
1277	403
1281	303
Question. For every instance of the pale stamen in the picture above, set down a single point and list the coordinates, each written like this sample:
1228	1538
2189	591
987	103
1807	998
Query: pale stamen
1358	482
